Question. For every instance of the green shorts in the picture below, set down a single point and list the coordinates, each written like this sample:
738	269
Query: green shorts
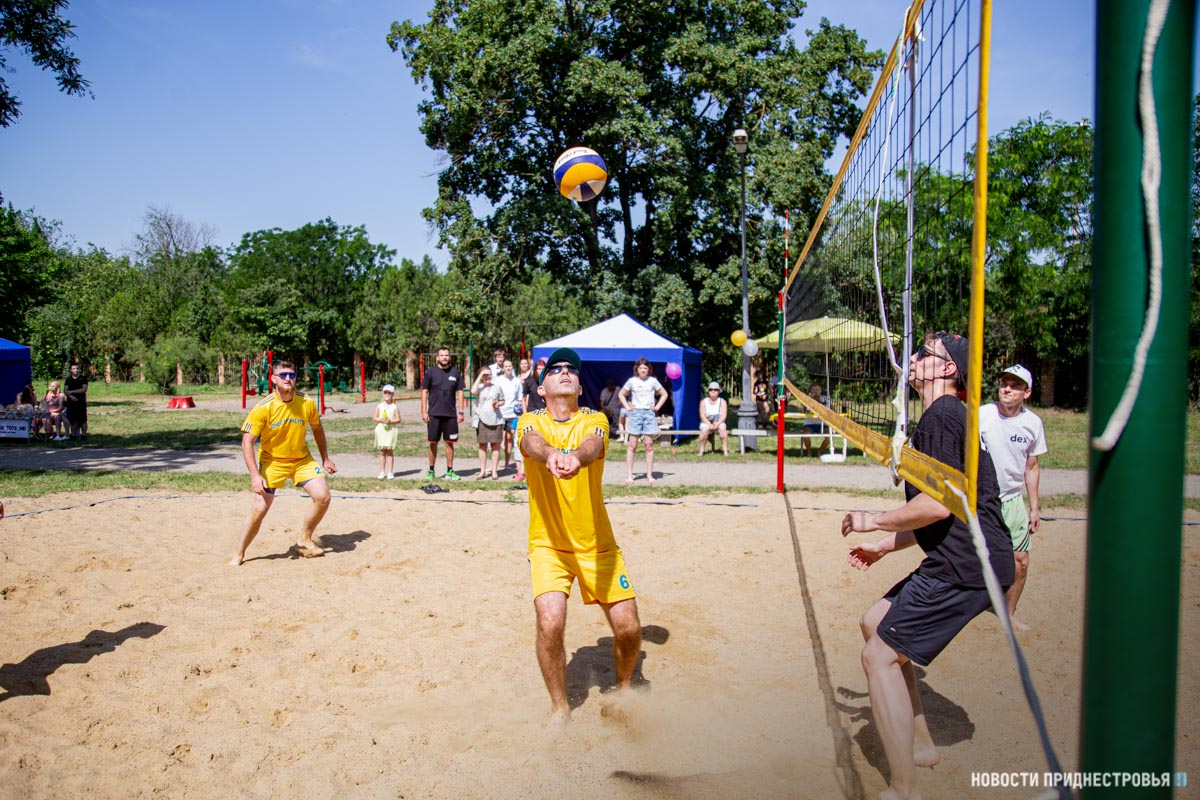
1016	519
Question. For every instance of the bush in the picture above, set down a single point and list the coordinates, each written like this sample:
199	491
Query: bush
159	361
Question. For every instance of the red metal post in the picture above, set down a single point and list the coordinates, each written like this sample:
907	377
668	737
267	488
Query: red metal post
321	385
421	368
270	366
779	450
245	370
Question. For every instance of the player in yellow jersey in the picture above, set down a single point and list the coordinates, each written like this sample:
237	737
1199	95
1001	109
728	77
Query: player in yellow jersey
570	537
279	421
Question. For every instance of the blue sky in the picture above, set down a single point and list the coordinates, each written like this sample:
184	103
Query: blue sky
273	113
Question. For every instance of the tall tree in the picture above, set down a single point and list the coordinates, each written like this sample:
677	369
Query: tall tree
657	89
297	291
30	268
37	28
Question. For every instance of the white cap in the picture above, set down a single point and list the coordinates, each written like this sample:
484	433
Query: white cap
387	387
715	385
1018	371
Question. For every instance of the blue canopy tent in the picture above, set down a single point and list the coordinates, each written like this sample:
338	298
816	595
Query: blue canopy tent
16	370
609	349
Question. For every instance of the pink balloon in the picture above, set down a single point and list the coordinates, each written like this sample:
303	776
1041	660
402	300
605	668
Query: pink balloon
674	370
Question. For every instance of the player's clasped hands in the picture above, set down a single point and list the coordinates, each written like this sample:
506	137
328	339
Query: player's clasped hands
563	465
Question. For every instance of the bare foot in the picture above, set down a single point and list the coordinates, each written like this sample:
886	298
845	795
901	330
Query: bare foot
629	481
307	550
925	755
1017	624
236	561
651	481
890	793
557	723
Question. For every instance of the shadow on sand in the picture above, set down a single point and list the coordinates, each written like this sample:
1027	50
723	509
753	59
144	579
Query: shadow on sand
593	666
30	676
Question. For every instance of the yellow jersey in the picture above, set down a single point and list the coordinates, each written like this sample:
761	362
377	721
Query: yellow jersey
567	515
279	426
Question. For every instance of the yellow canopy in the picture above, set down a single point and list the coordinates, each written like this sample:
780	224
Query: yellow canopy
829	335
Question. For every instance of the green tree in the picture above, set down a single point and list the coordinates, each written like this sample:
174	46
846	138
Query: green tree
297	292
30	269
37	28
1194	324
397	317
657	89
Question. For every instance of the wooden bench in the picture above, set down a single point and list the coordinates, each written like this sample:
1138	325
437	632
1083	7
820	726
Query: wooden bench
830	435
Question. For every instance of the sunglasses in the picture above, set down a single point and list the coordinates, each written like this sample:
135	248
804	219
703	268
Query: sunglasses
924	350
286	376
557	368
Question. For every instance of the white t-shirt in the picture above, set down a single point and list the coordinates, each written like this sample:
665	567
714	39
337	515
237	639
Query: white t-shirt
1011	441
642	393
512	393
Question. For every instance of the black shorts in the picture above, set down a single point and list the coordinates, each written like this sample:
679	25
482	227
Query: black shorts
926	614
77	414
440	427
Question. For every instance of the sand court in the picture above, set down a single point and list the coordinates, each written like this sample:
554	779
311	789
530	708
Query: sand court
136	663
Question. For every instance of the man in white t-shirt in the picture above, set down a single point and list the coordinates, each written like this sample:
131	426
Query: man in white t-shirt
510	385
642	396
1014	437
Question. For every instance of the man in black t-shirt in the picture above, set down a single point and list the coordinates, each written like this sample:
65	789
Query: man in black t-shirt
75	388
921	614
442	410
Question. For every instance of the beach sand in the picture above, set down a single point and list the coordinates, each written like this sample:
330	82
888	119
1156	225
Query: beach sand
136	663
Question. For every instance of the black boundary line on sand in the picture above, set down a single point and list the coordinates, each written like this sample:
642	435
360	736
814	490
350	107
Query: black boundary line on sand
852	786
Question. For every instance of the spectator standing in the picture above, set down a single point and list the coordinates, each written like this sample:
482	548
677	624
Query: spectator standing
489	428
1014	438
76	391
497	365
642	396
387	418
529	393
510	385
610	404
442	410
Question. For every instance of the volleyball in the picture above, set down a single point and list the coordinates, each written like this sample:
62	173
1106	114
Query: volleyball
580	174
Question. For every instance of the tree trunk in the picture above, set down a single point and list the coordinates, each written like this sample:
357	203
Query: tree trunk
410	370
1046	384
178	374
221	371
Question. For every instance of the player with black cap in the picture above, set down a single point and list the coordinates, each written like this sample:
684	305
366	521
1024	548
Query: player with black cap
920	615
570	536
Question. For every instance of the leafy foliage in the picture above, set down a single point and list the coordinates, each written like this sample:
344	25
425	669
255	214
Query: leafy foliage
37	28
657	89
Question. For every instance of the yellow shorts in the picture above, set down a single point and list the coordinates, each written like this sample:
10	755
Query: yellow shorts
602	576
300	470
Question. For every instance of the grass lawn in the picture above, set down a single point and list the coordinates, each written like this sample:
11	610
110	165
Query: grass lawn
130	415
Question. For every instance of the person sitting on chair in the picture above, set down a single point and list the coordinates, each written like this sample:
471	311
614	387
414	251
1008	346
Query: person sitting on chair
713	411
814	430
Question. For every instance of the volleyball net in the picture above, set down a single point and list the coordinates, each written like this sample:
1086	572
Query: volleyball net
896	250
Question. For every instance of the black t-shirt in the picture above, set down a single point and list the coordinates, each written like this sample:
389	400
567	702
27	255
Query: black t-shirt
443	386
72	383
949	551
532	400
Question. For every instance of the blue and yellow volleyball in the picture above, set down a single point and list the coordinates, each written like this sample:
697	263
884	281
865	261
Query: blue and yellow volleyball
580	174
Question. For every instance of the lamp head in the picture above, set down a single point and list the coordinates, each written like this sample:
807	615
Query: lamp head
740	140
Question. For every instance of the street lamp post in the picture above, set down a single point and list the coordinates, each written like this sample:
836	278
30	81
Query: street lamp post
747	412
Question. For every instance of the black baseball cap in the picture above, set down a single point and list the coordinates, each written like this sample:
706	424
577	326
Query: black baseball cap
559	356
958	350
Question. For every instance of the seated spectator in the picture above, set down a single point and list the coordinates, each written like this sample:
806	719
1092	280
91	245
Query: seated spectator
814	427
55	403
713	411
